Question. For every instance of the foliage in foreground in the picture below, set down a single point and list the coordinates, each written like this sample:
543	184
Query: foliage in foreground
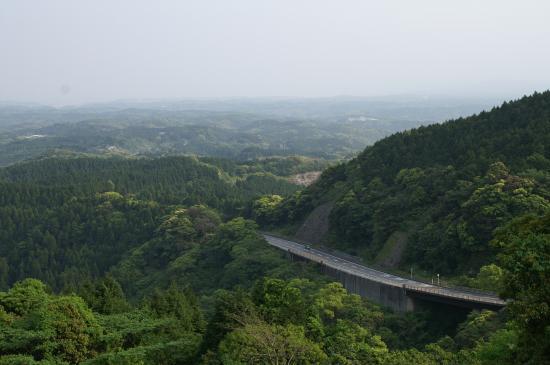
272	320
276	321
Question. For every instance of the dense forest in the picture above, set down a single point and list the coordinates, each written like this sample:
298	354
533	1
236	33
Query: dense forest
326	129
239	136
266	309
439	192
127	260
67	218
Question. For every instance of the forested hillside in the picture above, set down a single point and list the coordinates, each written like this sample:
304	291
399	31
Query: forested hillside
167	281
240	129
112	260
271	311
27	133
276	321
173	180
437	193
65	219
162	202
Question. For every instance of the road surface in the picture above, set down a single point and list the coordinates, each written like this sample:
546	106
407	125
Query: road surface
325	258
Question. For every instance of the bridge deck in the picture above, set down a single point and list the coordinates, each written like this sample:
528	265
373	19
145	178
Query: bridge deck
338	263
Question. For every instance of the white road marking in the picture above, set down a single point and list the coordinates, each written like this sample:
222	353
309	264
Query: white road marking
372	274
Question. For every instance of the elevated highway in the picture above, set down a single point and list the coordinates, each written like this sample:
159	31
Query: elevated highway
398	293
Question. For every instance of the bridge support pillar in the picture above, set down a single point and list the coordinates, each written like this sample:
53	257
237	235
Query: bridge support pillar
390	294
394	297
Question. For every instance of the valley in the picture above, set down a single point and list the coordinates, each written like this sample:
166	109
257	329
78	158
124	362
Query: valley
122	258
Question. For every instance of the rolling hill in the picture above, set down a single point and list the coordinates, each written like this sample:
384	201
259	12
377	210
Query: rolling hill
433	197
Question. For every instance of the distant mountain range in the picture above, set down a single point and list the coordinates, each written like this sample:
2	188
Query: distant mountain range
331	128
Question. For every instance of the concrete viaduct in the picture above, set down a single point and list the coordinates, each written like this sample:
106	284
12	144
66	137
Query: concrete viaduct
388	290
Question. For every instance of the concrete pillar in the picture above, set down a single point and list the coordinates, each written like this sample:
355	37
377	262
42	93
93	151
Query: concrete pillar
386	295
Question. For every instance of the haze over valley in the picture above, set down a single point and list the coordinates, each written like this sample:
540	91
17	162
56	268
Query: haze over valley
329	129
275	182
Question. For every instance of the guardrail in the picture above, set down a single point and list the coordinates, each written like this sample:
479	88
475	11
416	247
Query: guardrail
319	260
455	294
347	270
471	294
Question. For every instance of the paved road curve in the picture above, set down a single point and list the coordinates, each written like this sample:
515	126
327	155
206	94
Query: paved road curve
353	268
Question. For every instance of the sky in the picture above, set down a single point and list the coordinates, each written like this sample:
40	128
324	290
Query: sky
63	52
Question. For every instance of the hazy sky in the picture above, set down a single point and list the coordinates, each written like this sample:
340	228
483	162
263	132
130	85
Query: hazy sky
71	51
